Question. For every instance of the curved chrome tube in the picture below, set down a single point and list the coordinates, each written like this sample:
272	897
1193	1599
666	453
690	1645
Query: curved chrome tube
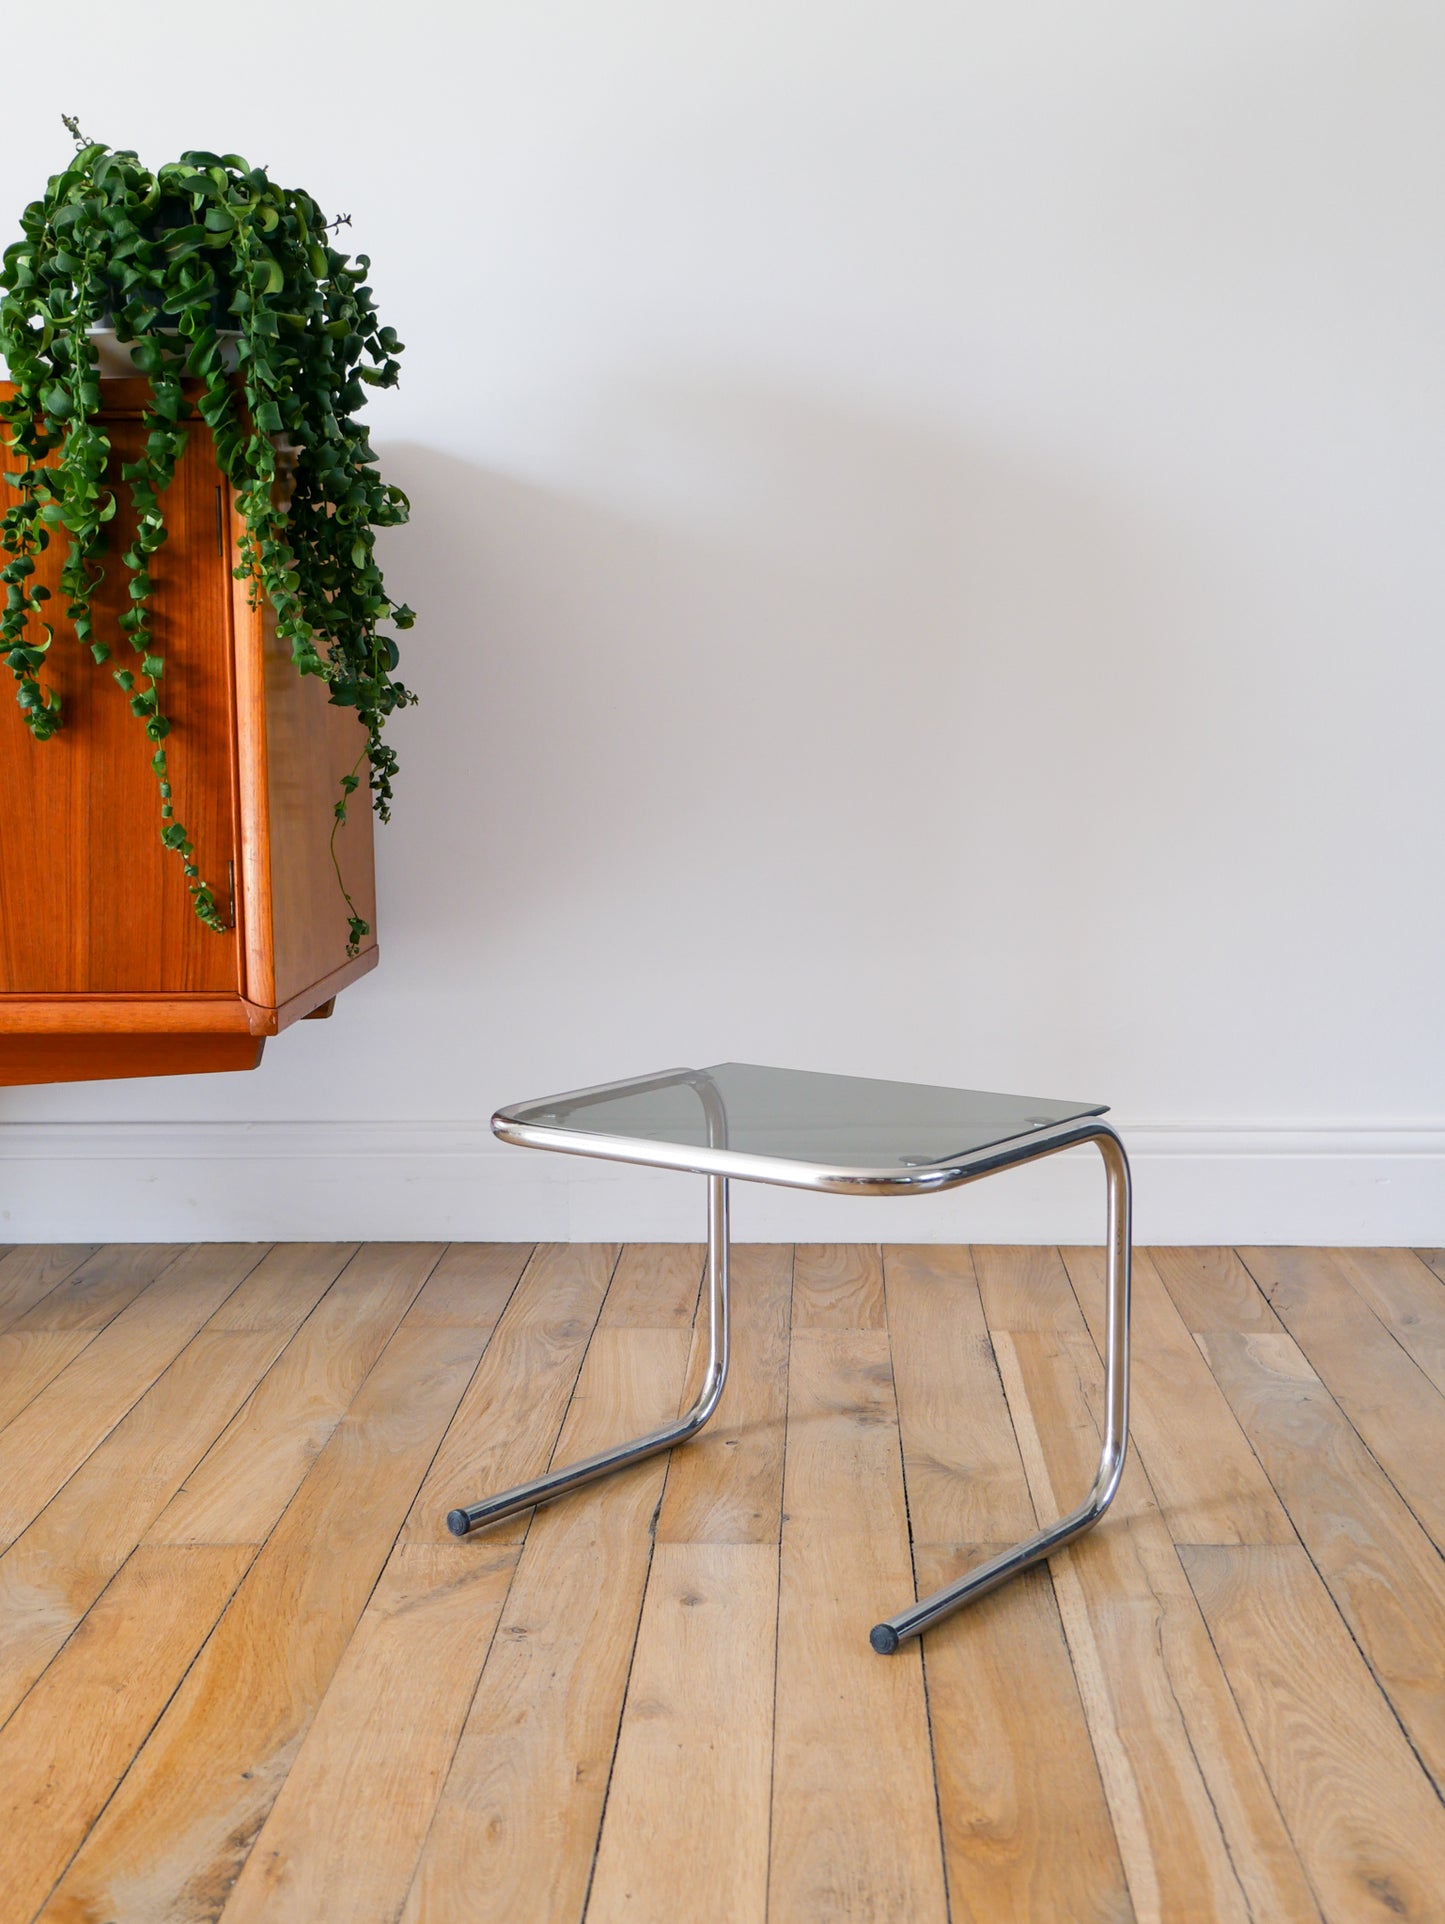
542	1489
886	1636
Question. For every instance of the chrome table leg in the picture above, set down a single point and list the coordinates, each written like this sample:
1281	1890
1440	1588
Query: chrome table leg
476	1516
886	1637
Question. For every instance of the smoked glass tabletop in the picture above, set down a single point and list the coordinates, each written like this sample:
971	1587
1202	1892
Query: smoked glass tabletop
738	1116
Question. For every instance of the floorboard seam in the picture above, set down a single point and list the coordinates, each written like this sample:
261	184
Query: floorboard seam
1232	1765
637	1628
95	1336
778	1620
1100	1766
164	1370
445	1776
1249	1739
1324	1580
913	1568
1363	1440
55	1655
155	1721
71	1274
441	1251
1264	1472
255	1549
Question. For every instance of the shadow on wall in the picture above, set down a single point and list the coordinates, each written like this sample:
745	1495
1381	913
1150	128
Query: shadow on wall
853	683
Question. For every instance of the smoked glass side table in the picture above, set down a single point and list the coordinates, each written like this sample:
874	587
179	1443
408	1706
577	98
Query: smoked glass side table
849	1137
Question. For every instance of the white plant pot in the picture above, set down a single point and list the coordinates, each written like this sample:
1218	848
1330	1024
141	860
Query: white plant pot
116	358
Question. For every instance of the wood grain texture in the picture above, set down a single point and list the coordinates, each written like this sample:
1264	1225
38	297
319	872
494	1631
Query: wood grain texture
245	1481
1212	1289
838	1286
283	1288
1020	1801
1198	1831
293	747
344	1835
97	951
654	1286
52	1573
29	1358
1026	1289
470	1286
31	1271
1368	1825
515	1827
1407	1296
114	915
49	1440
1207	1478
175	1835
1026	1831
697	1724
726	1486
961	1465
656	1698
253	779
87	1056
1381	1569
1386	1395
115	1016
62	1754
389	1723
508	1422
88	1297
302	1006
696	1738
855	1830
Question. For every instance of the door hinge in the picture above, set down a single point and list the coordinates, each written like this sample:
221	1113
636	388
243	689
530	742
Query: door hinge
220	523
231	884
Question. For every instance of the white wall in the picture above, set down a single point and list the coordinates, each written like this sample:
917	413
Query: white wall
928	542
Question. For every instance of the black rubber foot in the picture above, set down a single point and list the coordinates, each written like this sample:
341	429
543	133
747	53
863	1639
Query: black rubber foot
457	1522
884	1639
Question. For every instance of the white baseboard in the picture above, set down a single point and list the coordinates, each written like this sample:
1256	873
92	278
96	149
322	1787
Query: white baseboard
1261	1182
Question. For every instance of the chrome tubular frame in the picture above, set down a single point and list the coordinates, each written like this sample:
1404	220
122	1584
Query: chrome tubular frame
542	1489
885	1637
549	1132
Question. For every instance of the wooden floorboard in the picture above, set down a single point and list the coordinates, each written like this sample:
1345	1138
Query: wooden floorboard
45	1325
54	1571
1386	1395
42	1447
855	1829
1197	1829
1382	1571
1366	1822
245	1673
178	1829
32	1270
516	1824
1405	1294
350	1818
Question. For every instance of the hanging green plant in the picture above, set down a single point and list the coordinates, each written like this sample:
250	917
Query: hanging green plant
176	262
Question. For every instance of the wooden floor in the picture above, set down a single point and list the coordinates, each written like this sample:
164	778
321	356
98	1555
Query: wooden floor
244	1672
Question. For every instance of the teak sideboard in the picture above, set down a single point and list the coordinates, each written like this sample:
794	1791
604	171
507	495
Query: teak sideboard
104	968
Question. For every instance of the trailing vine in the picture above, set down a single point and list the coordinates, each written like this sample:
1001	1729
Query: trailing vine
176	262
